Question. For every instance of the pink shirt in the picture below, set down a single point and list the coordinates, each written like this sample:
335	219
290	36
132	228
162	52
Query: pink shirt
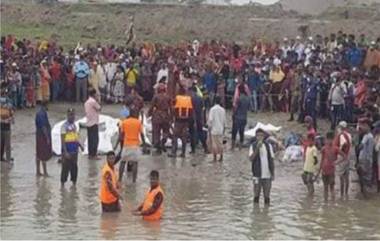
92	109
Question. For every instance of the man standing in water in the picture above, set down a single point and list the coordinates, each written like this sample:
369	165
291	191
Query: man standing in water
366	149
343	141
92	109
131	131
216	125
160	111
261	156
70	145
43	138
109	187
183	111
152	207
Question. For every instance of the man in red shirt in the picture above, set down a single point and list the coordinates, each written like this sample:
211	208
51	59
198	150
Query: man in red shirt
56	84
330	154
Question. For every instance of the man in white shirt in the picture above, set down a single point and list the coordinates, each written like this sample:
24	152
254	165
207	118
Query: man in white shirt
336	99
163	72
261	155
110	72
216	125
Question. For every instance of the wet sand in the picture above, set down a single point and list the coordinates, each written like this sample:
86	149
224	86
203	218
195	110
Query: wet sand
203	199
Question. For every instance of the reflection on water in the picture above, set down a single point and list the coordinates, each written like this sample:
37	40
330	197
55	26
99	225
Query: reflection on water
203	200
42	204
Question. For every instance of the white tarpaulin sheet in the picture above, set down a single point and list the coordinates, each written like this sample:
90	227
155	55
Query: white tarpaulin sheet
293	154
265	127
108	128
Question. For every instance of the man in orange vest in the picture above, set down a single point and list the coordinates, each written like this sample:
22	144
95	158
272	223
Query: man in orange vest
131	130
109	187
152	207
183	112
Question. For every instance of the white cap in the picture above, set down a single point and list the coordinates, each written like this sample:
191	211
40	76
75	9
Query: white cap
14	64
373	42
277	62
285	39
310	38
298	37
343	124
80	49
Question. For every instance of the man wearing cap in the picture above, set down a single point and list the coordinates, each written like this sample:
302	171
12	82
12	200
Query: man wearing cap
70	148
365	158
81	71
160	110
343	141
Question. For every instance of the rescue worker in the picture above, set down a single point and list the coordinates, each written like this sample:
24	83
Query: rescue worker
152	207
109	187
183	111
160	111
130	130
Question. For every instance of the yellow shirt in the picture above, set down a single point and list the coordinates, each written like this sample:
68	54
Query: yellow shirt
276	76
131	75
310	154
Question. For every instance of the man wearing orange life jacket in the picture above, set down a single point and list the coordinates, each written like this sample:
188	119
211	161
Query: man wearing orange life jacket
152	207
109	187
131	130
343	141
183	111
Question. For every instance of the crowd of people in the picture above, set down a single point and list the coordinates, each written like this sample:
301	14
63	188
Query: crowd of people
187	88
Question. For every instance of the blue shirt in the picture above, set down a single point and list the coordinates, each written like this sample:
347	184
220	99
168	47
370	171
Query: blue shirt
197	102
71	137
209	81
81	69
42	120
255	82
312	89
354	57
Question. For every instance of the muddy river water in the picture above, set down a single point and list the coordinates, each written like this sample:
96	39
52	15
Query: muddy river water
203	199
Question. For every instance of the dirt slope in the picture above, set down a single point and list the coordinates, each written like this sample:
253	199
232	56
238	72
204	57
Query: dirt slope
169	23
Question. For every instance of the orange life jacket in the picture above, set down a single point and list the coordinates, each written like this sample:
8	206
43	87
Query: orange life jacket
183	106
105	195
148	202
